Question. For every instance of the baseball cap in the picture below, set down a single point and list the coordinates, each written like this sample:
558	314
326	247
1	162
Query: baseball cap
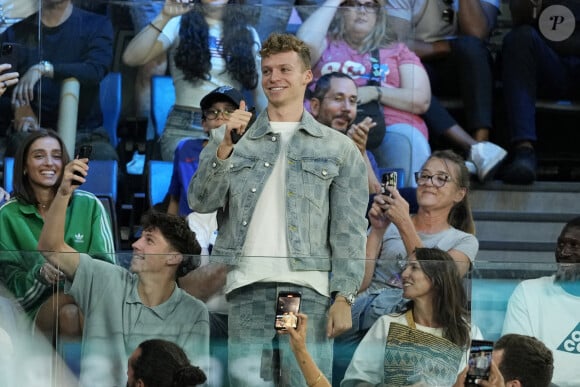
222	93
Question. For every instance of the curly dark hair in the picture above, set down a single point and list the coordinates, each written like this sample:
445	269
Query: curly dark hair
164	364
178	234
193	56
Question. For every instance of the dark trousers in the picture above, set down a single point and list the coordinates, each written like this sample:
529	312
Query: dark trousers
530	68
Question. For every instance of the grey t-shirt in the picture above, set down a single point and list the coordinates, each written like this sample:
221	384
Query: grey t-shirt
393	252
116	322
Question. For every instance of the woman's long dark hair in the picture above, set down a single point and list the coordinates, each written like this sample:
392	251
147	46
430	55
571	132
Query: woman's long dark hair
193	55
22	189
450	299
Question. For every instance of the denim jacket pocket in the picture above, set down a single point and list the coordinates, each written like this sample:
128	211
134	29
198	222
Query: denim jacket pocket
318	175
240	174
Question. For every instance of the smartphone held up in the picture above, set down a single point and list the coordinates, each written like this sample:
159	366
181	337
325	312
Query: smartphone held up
389	179
84	153
479	362
287	308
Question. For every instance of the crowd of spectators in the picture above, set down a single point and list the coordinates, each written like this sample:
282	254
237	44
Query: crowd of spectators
277	187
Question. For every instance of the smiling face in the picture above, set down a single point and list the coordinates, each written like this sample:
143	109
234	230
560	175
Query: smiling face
431	197
337	109
568	246
43	164
284	78
151	252
416	283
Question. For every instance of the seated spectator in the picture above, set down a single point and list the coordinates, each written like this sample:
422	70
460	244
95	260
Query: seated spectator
535	64
74	43
519	361
208	47
443	221
41	163
333	104
161	363
216	108
123	308
341	40
436	317
548	308
450	38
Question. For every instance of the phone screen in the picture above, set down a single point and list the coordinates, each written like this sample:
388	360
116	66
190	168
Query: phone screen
479	361
389	179
287	308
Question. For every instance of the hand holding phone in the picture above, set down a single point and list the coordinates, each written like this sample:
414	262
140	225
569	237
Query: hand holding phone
84	153
287	308
479	361
389	179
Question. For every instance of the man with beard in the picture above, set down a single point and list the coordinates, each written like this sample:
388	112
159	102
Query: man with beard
334	104
548	308
122	309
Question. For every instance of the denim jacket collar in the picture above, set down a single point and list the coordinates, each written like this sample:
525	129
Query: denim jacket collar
262	125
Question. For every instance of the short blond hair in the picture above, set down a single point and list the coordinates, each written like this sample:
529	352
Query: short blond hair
278	43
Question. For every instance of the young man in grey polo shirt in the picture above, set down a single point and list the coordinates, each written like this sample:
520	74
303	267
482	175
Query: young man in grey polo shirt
122	309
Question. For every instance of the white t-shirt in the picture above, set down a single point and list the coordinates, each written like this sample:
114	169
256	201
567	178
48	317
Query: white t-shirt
541	308
265	252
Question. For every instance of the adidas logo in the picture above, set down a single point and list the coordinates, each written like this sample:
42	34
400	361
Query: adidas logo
571	343
79	238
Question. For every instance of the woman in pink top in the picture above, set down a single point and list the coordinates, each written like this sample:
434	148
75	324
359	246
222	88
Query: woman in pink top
343	36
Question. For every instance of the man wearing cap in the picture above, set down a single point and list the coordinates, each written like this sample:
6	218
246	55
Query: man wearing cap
291	197
216	107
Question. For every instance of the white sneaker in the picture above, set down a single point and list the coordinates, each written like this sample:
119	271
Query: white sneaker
486	156
137	164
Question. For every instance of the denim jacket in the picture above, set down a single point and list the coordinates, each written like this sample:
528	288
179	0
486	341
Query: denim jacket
326	199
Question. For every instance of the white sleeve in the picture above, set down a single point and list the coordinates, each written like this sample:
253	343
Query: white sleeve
367	364
170	32
517	317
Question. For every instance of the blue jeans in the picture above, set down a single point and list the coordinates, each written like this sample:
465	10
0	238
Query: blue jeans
531	68
404	147
181	124
468	66
253	340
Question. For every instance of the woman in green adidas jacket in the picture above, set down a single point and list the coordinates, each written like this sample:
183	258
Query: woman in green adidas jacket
39	166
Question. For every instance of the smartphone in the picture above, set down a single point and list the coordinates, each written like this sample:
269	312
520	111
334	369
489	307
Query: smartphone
287	308
9	54
479	361
234	134
84	153
389	180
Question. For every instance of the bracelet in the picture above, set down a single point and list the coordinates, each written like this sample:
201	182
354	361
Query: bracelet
155	27
380	92
316	381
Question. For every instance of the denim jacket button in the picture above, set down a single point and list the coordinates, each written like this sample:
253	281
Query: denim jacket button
324	172
244	223
214	164
266	164
274	138
254	190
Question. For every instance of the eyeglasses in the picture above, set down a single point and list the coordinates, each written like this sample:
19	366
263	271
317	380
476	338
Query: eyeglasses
341	99
212	114
448	14
369	7
438	180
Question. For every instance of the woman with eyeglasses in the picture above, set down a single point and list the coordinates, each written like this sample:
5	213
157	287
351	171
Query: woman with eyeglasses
352	37
443	220
208	47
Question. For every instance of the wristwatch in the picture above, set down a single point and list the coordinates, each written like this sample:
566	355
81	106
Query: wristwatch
46	67
349	297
